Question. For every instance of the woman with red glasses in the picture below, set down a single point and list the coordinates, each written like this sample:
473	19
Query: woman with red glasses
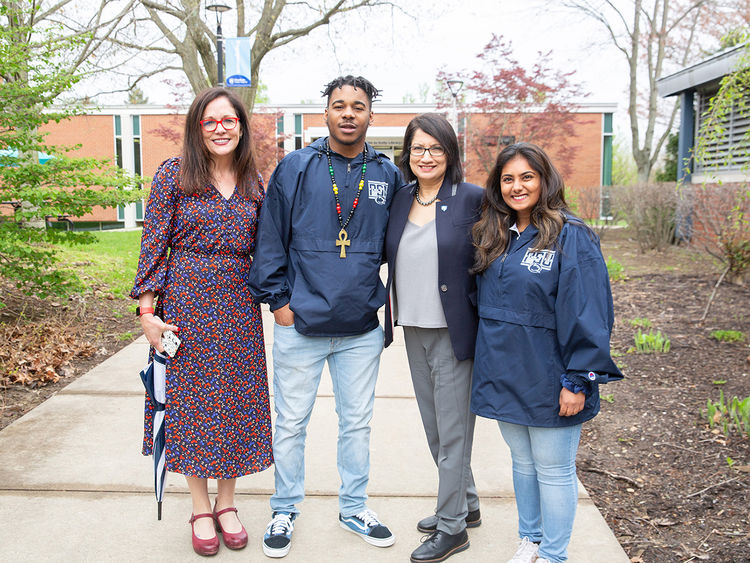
196	252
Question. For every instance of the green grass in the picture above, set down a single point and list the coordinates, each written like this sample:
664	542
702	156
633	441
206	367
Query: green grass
108	264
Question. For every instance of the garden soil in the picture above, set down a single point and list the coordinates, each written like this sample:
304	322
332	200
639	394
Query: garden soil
671	487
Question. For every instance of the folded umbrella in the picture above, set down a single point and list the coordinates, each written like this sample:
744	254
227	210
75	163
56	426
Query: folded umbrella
154	380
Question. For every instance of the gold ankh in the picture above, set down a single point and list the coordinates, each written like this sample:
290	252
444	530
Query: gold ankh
343	241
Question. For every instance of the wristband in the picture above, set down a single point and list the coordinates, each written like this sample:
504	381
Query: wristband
140	311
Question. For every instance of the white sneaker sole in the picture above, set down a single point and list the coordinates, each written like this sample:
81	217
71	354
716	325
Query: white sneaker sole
377	542
280	552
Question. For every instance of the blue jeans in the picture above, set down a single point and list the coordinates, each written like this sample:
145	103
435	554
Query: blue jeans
298	360
545	484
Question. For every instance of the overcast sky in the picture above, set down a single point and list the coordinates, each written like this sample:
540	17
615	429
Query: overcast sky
398	53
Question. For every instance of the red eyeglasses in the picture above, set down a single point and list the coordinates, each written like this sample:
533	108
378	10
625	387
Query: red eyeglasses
210	125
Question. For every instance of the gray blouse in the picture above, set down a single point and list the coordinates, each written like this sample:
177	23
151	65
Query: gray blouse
417	298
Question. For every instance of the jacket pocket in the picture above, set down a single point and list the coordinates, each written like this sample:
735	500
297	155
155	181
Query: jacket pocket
525	318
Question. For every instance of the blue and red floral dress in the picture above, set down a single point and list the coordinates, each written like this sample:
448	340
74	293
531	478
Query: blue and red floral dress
196	253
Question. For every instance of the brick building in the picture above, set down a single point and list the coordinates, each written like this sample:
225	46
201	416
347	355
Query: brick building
140	137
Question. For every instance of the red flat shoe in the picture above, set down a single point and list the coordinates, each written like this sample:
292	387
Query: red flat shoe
233	540
200	546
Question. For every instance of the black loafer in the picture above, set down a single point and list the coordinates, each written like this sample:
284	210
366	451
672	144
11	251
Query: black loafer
439	546
429	524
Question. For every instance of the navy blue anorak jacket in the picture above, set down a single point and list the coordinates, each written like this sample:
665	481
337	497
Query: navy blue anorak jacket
541	315
296	258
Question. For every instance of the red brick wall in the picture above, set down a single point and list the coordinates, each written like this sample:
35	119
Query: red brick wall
585	169
95	134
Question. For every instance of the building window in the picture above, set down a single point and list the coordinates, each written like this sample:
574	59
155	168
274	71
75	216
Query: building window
730	151
137	160
605	202
297	131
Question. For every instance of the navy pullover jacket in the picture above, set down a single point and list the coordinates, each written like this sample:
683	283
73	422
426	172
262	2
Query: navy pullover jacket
296	258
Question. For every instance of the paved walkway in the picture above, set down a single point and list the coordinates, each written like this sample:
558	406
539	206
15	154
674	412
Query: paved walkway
74	487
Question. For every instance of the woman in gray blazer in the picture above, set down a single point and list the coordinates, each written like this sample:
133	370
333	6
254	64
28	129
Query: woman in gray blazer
433	297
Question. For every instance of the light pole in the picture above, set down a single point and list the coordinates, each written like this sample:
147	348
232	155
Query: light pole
454	86
219	9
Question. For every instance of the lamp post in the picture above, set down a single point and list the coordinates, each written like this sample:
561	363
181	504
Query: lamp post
454	86
219	9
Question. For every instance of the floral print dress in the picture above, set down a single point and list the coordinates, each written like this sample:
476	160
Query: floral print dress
196	253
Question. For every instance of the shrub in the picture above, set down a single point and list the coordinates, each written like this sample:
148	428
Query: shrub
721	224
728	335
650	211
615	270
640	323
729	415
650	342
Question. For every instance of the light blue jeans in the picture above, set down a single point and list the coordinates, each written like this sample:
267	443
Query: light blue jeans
298	361
545	483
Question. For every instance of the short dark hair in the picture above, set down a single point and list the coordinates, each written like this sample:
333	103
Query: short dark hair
195	169
435	125
355	82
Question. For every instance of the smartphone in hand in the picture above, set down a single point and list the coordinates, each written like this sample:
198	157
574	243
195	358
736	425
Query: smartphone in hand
170	342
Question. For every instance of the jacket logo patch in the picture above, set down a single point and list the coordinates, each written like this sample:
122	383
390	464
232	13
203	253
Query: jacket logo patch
377	191
538	261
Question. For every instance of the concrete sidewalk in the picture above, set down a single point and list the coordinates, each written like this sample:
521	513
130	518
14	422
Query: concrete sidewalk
74	487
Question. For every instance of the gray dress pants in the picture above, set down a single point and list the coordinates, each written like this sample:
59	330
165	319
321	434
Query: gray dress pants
442	385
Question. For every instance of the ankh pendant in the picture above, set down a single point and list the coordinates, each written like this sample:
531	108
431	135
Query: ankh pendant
343	241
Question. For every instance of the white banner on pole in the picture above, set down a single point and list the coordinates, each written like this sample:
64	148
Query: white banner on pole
238	61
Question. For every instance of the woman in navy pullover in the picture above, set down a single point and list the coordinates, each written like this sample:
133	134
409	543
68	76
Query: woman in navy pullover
545	319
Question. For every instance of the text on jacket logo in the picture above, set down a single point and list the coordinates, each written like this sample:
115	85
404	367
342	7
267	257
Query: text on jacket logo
539	260
377	191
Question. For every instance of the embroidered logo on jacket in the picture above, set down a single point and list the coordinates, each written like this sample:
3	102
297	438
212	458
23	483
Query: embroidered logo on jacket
377	191
538	261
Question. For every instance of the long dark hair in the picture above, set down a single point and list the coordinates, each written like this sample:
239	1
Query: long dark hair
435	125
490	233
195	170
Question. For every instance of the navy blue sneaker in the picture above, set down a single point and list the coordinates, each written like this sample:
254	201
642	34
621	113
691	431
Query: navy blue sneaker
277	540
368	527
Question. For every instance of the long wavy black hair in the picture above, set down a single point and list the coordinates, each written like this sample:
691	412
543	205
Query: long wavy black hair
490	233
195	170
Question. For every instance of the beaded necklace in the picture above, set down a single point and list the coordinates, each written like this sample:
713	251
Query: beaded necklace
425	203
343	238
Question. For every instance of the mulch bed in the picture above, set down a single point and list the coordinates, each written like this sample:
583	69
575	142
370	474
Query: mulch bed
659	474
670	487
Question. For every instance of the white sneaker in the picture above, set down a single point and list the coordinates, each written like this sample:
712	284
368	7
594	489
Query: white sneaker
526	552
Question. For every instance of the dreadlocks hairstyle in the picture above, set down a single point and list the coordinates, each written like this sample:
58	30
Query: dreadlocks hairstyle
490	233
195	169
355	82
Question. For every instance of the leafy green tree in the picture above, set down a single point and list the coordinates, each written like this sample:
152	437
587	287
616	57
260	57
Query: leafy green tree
669	172
33	73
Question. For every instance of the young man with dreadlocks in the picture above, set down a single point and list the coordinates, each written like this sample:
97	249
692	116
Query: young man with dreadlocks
317	262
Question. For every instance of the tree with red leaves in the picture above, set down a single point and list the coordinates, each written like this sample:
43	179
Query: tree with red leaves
508	103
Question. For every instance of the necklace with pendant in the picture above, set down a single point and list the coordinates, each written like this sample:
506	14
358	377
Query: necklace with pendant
343	237
425	203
